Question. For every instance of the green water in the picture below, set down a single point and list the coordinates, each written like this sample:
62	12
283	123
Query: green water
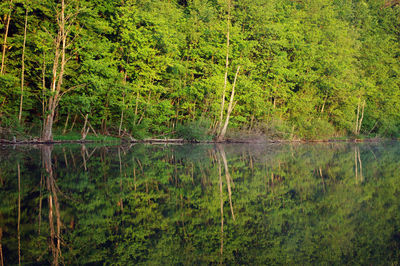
201	204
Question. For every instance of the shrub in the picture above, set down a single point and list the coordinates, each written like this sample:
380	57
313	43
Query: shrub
194	131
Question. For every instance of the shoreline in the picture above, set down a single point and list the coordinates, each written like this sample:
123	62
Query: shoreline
183	141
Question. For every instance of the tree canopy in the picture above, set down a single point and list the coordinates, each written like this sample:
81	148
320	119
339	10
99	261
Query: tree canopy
308	69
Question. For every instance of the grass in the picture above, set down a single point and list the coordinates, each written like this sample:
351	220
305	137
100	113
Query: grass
90	137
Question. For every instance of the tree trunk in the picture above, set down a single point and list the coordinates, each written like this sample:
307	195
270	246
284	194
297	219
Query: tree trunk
44	88
58	73
361	119
221	135
47	134
5	40
66	124
136	108
358	118
221	116
85	130
123	106
358	114
23	67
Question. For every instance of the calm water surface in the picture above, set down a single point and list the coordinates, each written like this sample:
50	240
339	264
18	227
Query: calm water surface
200	204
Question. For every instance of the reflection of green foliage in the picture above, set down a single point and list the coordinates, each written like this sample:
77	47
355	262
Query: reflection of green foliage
293	204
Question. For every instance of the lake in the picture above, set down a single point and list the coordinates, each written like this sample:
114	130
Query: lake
333	203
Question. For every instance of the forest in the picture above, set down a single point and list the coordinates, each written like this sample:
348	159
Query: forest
196	69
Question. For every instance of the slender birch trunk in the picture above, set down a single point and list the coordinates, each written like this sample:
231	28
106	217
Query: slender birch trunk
231	105
226	67
360	111
358	114
136	108
66	124
5	40
361	119
44	89
85	129
221	129
123	106
23	67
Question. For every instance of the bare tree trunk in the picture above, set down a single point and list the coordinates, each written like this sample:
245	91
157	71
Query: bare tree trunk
221	134
361	119
66	124
58	73
323	105
23	67
358	118
358	114
73	122
123	107
44	89
5	40
94	131
136	108
226	68
47	134
85	129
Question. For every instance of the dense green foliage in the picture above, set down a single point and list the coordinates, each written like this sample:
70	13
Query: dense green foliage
301	204
310	69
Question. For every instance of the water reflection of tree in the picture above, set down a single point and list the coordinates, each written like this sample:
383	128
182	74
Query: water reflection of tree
358	168
54	208
288	206
218	156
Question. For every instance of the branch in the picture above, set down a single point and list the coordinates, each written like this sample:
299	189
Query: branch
72	56
72	88
50	35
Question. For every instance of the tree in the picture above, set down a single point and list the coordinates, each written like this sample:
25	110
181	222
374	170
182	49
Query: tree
223	127
7	19
23	64
61	44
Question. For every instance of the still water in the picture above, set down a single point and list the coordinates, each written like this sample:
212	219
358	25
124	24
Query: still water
200	204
